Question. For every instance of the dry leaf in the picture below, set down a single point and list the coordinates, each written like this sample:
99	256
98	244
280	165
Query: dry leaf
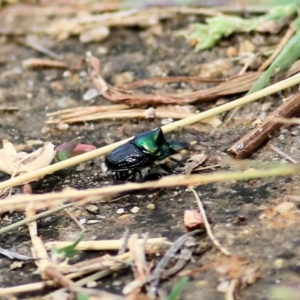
15	163
194	162
16	265
282	215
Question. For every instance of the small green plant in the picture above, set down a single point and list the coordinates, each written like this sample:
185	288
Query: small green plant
207	35
61	254
178	289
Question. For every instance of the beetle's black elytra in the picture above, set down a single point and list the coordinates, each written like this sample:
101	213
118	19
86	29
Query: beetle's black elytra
128	160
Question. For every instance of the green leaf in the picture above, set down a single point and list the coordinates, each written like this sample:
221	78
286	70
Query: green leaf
289	54
178	289
207	35
65	150
68	251
284	293
82	296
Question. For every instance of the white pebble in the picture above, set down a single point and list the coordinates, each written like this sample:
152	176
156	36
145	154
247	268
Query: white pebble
120	211
135	210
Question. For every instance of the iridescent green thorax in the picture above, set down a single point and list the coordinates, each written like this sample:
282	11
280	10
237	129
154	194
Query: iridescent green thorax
153	142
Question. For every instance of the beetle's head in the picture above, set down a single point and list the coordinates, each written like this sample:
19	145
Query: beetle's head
153	142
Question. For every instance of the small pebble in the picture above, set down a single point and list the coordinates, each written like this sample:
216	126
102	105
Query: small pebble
135	210
92	208
91	284
295	132
97	34
80	168
116	283
83	74
278	263
223	286
102	50
266	106
120	211
90	94
82	221
231	52
151	206
167	121
62	126
93	221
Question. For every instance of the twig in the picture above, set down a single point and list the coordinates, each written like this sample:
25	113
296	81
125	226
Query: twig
252	140
207	225
72	217
284	155
125	238
169	79
167	128
8	108
160	267
33	218
140	267
43	63
29	42
233	85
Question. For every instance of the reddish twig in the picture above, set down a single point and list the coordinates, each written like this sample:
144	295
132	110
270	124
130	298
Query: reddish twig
251	141
233	85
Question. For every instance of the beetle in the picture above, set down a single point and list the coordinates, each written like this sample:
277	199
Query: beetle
144	150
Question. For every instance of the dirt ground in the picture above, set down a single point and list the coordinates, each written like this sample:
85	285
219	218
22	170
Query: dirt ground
240	212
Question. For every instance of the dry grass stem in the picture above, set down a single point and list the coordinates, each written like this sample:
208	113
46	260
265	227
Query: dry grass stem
32	43
8	108
141	269
74	219
229	295
43	63
207	226
34	217
282	154
252	140
95	113
168	79
46	268
25	288
107	263
287	121
39	253
152	244
167	128
19	202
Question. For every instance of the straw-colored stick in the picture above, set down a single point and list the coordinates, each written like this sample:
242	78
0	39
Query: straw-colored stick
104	245
167	128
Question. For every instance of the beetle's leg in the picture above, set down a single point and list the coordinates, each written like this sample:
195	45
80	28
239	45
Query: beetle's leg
168	169
177	161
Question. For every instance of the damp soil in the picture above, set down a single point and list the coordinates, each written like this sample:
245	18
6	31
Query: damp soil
235	209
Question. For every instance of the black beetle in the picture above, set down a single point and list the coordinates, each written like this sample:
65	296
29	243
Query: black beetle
142	151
